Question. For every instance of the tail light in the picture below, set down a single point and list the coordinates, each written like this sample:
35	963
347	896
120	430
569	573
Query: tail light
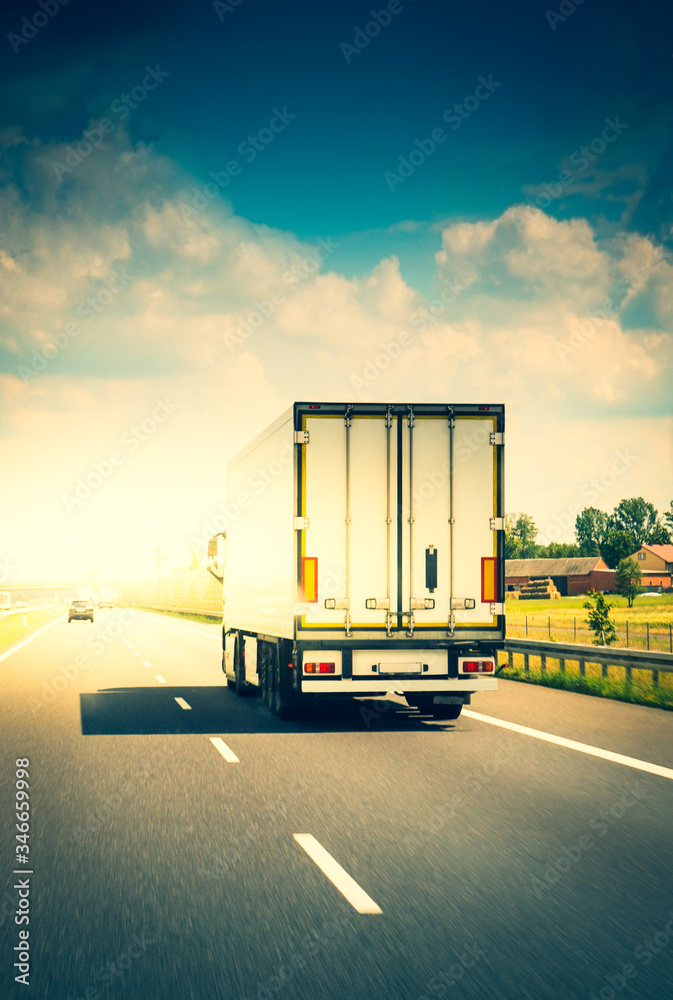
319	668
477	666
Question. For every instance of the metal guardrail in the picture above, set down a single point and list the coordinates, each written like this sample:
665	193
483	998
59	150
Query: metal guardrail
630	659
26	611
215	615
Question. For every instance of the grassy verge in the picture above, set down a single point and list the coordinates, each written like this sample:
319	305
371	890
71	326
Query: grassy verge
193	616
637	693
13	630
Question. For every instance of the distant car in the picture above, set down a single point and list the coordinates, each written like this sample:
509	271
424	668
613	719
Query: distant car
80	610
21	604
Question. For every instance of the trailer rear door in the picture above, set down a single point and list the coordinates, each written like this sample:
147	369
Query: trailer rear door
399	534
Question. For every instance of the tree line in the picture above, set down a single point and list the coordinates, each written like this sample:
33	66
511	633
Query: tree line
633	523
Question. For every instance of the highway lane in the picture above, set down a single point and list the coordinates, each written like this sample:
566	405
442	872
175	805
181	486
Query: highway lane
507	866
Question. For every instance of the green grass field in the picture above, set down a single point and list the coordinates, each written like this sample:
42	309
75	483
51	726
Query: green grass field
645	609
568	621
13	630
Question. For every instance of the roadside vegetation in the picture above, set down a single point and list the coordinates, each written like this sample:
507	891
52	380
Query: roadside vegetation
13	630
190	615
638	691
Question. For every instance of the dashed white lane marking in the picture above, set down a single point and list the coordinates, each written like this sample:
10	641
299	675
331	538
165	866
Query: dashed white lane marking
24	642
162	680
183	704
146	663
561	741
185	628
355	895
136	653
228	754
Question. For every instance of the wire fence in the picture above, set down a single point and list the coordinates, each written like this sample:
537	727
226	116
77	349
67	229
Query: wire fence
630	635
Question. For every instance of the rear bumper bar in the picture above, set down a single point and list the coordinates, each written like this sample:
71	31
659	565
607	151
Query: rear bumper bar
383	685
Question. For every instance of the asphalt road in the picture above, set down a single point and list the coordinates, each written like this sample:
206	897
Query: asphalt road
501	865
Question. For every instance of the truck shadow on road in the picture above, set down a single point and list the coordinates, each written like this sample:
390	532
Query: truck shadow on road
213	710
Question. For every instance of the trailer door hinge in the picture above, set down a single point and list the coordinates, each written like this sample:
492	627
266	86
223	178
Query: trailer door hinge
300	523
496	609
496	437
497	523
301	437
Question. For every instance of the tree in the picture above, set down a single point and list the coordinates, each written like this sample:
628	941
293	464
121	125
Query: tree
599	620
590	530
557	550
617	545
522	534
628	577
512	543
635	517
659	535
668	517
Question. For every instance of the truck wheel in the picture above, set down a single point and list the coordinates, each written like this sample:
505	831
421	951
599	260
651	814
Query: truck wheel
280	705
446	711
230	683
242	687
420	701
268	660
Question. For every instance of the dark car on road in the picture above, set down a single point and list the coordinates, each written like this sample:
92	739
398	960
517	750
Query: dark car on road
80	609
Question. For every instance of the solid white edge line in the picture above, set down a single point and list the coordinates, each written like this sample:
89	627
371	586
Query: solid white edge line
561	741
33	635
183	704
346	885
226	752
185	628
162	680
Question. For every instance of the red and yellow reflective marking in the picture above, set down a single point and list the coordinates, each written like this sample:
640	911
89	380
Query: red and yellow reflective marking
309	579
489	580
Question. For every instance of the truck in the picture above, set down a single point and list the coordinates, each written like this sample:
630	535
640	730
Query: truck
107	597
363	553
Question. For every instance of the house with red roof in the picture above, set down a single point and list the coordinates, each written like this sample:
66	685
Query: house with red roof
656	563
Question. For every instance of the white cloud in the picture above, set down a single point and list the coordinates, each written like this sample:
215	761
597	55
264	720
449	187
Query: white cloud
528	325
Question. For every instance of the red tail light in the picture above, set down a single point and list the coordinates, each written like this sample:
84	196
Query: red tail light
477	666
319	668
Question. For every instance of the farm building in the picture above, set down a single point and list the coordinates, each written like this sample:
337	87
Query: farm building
576	575
656	563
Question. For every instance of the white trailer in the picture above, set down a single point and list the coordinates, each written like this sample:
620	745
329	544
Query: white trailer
364	553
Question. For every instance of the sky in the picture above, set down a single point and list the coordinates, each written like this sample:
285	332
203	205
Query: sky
210	210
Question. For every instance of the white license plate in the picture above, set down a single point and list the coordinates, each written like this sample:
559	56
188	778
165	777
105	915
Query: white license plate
401	668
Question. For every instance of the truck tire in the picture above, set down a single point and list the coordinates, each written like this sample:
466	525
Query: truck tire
269	654
243	689
230	683
446	711
422	702
281	705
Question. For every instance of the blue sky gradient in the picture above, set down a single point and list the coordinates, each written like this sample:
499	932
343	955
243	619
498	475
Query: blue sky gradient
514	161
